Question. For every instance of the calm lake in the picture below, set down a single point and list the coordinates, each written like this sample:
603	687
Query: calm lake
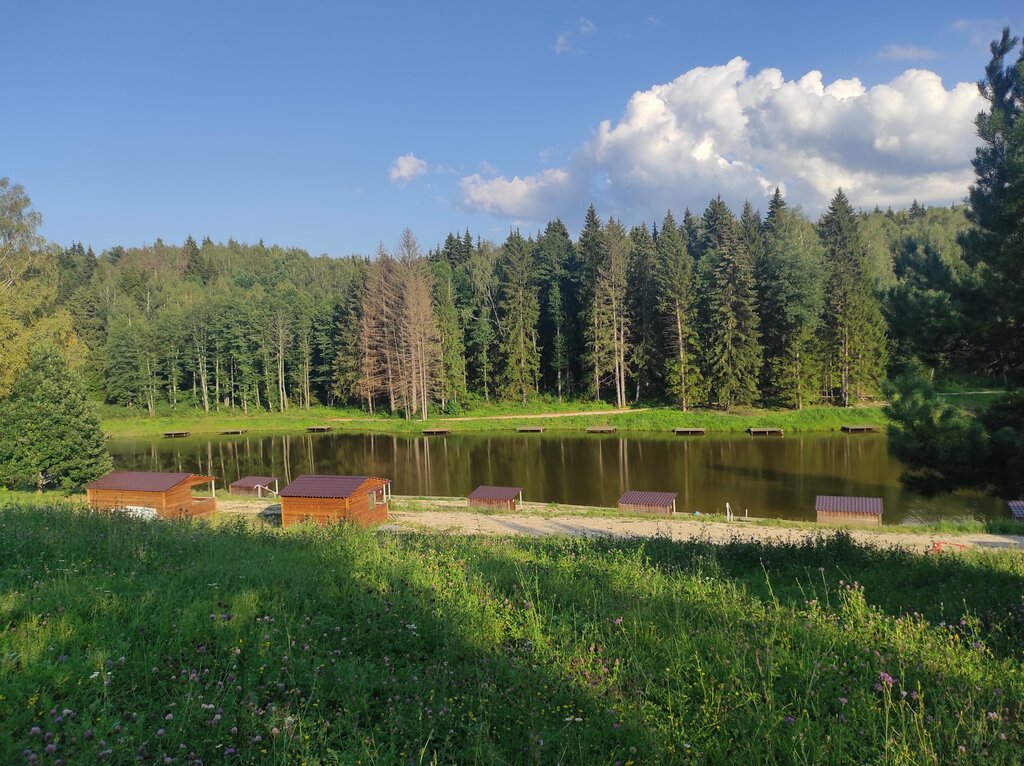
769	477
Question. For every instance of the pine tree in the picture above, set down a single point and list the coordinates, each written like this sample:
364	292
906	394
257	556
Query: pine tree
733	346
855	344
752	232
646	357
125	380
452	378
52	435
592	250
520	311
790	279
553	256
346	367
995	246
678	306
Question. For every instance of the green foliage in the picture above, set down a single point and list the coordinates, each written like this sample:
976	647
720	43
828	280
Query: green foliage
521	309
790	279
341	645
51	433
855	343
947	448
733	346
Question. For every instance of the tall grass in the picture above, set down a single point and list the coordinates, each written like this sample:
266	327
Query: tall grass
123	641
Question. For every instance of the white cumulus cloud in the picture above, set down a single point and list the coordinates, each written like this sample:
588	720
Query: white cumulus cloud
722	130
405	168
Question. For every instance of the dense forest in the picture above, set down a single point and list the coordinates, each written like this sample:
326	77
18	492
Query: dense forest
710	310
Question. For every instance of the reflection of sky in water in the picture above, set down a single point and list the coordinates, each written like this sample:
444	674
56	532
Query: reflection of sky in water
767	476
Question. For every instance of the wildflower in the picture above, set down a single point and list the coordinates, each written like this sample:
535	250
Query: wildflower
169	717
160	732
34	731
992	716
617	621
789	719
843	700
275	731
886	678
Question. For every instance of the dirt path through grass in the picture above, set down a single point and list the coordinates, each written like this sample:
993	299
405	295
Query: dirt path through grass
446	515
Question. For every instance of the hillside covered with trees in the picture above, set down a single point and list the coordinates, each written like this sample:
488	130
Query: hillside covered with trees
711	310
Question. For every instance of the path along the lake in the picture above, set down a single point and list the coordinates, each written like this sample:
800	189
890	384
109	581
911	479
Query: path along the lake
439	515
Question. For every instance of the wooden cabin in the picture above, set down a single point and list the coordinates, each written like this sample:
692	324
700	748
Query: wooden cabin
257	486
168	494
1017	510
362	500
496	498
859	511
639	501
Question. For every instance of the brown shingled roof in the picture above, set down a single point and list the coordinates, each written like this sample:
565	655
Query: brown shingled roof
641	497
486	492
310	485
145	481
840	504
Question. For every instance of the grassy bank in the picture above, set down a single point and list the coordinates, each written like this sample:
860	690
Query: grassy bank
122	640
664	419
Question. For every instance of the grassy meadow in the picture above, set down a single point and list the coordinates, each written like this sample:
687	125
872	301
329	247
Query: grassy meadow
121	422
124	641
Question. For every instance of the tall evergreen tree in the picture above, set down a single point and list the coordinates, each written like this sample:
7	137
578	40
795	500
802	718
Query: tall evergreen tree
790	279
752	232
592	250
52	435
855	344
646	357
553	257
520	310
733	346
677	303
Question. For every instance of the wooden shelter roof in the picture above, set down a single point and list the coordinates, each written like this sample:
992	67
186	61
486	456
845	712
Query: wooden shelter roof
1017	509
146	481
252	482
312	485
487	492
643	497
839	504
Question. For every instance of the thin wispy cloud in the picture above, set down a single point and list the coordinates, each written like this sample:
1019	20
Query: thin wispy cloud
897	52
566	42
405	168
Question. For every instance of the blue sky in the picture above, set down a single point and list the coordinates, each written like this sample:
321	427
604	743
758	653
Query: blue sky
130	121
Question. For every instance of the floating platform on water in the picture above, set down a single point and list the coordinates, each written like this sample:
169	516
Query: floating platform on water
436	431
176	434
233	432
318	429
764	431
690	431
859	429
600	429
530	429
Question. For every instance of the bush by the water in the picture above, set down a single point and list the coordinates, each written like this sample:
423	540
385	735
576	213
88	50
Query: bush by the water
124	641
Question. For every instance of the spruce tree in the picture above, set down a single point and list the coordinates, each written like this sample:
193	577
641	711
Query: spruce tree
733	349
553	256
646	359
592	252
855	344
677	304
51	432
790	279
520	311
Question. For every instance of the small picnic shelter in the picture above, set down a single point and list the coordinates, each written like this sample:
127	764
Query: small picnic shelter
258	486
168	494
505	498
859	511
642	501
325	499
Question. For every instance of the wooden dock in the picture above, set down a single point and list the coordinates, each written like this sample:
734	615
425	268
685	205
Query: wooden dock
233	432
860	429
690	431
600	429
764	431
436	431
176	434
530	429
318	429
